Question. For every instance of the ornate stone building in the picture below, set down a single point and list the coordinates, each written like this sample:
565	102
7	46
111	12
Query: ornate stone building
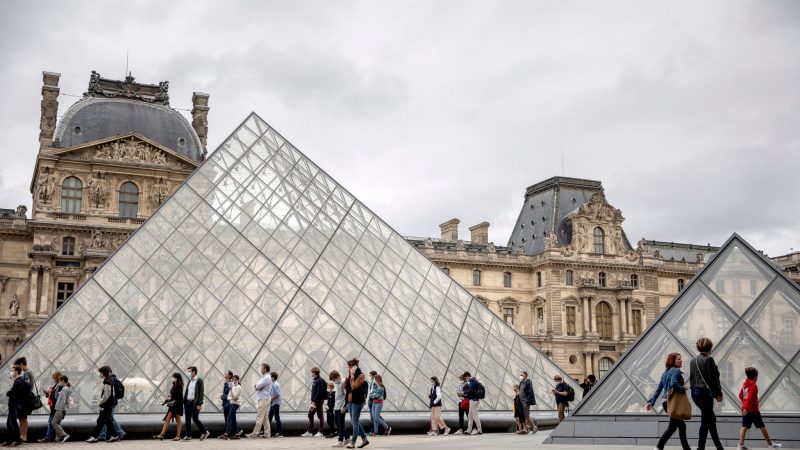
568	279
110	161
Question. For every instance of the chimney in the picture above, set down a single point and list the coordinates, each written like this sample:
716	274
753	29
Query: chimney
47	125
450	230
200	117
479	234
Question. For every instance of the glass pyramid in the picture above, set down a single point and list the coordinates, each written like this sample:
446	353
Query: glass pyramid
260	256
751	312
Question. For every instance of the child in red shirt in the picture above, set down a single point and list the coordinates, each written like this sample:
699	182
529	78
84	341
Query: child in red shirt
750	414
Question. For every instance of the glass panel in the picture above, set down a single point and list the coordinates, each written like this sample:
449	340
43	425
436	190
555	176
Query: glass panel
737	277
113	319
741	349
616	395
646	363
782	397
109	277
699	314
776	318
71	317
147	280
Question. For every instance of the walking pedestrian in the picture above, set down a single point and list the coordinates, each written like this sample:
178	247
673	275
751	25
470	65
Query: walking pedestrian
356	388
275	405
377	396
463	404
519	416
528	399
748	395
263	394
588	384
27	377
435	396
329	406
318	396
174	402
108	400
234	400
671	381
226	405
119	391
561	392
370	402
706	388
52	395
193	404
339	406
63	402
474	391
17	401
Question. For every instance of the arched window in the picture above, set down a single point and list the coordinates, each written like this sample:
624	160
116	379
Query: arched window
569	280
604	365
601	279
634	280
680	284
599	240
68	246
128	200
476	277
71	194
604	327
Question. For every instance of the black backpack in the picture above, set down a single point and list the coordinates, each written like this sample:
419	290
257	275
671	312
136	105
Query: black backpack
480	391
570	394
119	388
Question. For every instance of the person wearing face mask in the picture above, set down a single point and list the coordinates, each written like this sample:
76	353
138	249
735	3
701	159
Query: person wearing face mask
17	396
318	396
435	396
235	400
226	405
528	399
463	405
174	402
193	404
63	402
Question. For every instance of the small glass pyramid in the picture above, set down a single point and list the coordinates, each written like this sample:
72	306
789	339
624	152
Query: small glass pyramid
260	256
751	312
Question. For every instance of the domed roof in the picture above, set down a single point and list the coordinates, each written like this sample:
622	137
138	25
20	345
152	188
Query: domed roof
94	118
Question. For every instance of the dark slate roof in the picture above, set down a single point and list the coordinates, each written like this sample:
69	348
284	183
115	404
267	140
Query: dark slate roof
469	246
7	212
547	204
681	252
92	119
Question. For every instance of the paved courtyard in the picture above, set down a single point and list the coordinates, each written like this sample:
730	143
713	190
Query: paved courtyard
489	440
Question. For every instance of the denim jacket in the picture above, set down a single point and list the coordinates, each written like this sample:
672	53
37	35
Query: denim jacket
672	378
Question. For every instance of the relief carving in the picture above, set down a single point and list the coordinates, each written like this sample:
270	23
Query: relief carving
550	240
131	151
46	185
96	241
642	248
98	190
159	193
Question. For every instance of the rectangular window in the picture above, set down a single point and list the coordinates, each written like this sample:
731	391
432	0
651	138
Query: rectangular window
507	279
570	321
538	279
476	277
569	278
64	290
539	313
508	316
637	321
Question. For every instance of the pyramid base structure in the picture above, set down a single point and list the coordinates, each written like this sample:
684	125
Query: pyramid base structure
645	430
144	426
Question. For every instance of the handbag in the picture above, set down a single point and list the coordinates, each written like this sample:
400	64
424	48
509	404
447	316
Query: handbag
464	404
678	406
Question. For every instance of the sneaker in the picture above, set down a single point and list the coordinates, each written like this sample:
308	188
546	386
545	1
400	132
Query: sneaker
738	447
319	435
306	434
459	431
235	437
363	443
113	439
388	431
431	433
473	433
338	444
250	435
92	440
187	438
64	439
372	435
775	445
350	445
446	431
278	435
205	435
42	440
480	433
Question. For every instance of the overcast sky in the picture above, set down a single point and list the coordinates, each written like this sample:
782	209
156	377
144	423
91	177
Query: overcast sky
688	112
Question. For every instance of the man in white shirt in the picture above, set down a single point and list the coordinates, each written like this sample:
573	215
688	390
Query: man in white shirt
193	404
263	391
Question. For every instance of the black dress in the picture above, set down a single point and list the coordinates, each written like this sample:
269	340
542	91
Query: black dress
176	400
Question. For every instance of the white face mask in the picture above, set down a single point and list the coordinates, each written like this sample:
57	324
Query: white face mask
521	378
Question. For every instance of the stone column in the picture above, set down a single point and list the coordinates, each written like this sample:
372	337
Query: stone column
629	309
33	296
43	306
593	319
585	316
623	317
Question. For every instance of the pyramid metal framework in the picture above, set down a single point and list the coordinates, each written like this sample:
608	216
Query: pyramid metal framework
260	256
747	307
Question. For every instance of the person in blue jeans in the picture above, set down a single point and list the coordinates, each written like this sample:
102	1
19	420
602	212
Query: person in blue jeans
275	405
234	400
117	426
52	396
377	403
226	405
671	379
356	388
704	380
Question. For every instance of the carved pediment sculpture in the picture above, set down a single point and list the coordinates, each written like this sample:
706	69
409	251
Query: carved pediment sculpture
642	248
599	209
550	240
